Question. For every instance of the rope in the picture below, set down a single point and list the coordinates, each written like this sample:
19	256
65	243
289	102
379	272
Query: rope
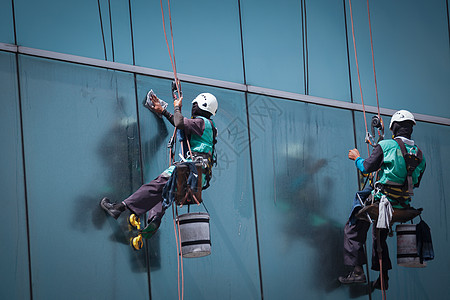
181	258
171	54
373	60
383	291
380	261
178	241
176	221
172	141
365	120
357	69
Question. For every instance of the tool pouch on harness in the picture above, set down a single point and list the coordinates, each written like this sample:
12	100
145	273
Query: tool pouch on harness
207	161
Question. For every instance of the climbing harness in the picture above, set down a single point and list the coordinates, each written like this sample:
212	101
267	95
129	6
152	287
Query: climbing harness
412	160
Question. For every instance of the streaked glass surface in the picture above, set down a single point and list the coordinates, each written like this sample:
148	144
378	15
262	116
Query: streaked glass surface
304	191
81	144
231	270
14	279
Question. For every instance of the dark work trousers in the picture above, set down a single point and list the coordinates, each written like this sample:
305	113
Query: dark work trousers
354	238
148	198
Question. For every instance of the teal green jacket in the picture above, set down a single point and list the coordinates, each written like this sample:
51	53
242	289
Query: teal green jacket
387	157
203	143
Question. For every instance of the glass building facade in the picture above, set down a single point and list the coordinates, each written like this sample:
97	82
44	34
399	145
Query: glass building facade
73	75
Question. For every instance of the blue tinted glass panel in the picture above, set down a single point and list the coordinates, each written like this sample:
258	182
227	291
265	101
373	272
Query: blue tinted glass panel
6	23
207	43
273	44
304	192
327	50
72	27
14	246
232	267
80	133
120	16
411	55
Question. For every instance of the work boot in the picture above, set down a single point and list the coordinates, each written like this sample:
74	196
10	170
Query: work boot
113	209
377	283
353	277
152	227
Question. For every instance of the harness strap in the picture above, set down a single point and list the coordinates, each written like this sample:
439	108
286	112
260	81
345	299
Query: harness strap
396	194
211	158
412	161
208	158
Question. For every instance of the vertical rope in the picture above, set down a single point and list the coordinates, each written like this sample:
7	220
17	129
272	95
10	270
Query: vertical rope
171	55
176	222
373	60
181	256
178	250
357	69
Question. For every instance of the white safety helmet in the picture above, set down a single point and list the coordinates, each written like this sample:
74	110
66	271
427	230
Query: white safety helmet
207	102
400	116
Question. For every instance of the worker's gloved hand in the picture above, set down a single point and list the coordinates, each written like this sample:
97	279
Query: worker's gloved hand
353	154
154	104
178	102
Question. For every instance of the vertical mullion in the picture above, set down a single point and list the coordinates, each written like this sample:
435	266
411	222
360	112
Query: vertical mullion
141	159
250	152
19	94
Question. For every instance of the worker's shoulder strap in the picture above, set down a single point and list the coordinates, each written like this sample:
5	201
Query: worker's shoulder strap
412	160
214	129
212	159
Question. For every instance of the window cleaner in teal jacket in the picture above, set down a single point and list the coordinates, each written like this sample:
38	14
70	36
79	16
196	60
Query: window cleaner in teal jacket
201	132
396	179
